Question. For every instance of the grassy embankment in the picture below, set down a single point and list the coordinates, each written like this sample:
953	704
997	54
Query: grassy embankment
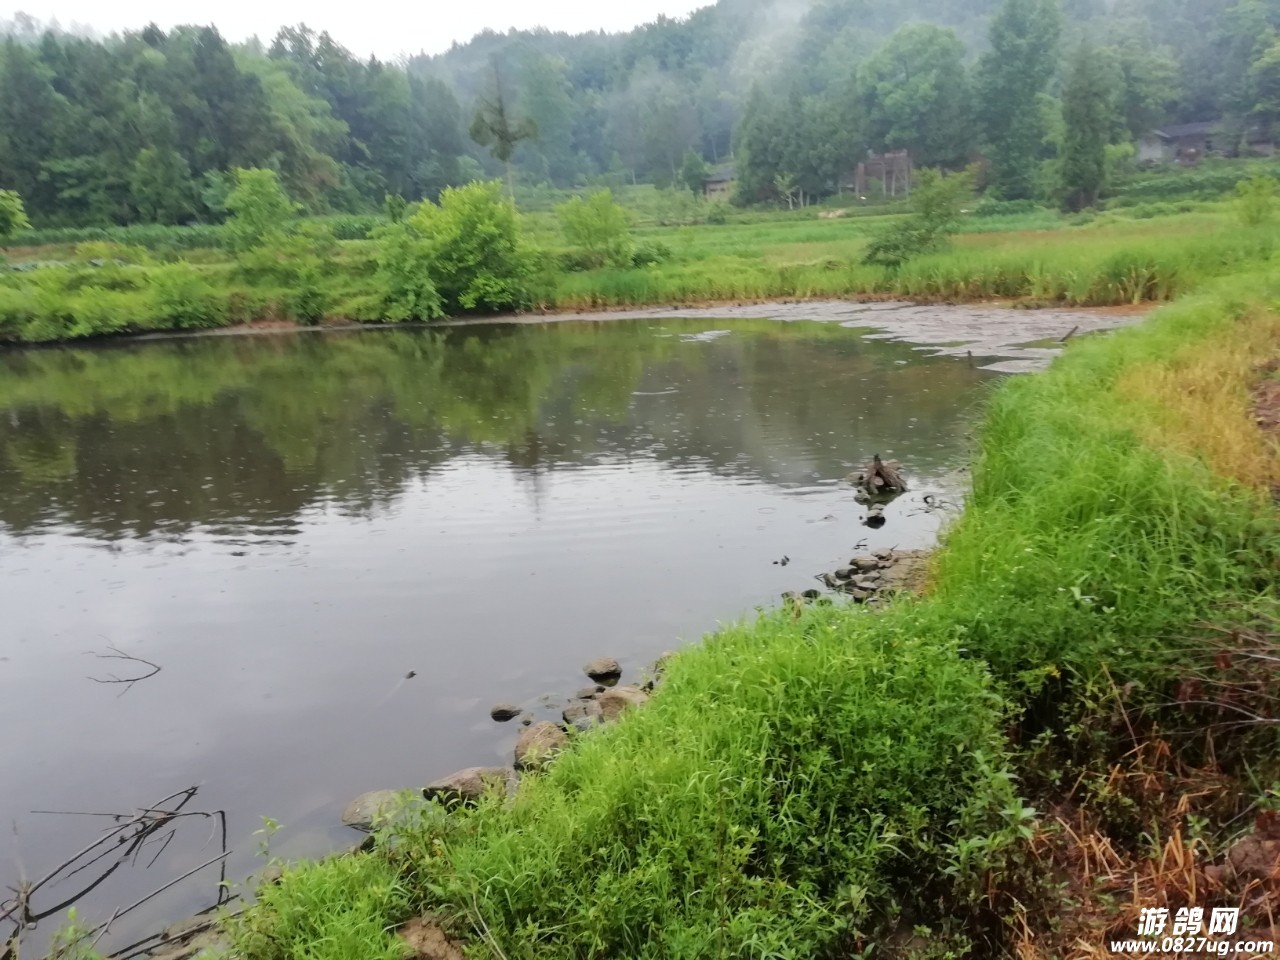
173	279
821	780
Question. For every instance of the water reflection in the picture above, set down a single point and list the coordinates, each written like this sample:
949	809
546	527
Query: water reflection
288	525
245	433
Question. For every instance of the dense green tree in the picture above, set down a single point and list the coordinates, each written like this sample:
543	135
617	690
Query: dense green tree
1147	84
259	208
544	98
916	96
694	171
1087	120
161	186
97	131
1022	59
1264	79
13	216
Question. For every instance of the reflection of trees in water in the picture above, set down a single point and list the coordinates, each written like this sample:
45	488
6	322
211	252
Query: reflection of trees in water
247	432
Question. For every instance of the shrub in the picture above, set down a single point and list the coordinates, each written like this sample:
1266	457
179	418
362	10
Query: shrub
13	216
650	252
17	309
184	300
1255	200
405	265
259	207
350	226
991	207
462	256
935	205
598	227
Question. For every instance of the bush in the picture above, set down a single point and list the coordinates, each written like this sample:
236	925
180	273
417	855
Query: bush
935	205
259	207
598	227
351	226
13	216
650	252
184	300
405	264
463	256
991	207
1255	200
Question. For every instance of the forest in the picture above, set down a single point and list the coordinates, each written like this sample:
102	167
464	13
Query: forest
149	126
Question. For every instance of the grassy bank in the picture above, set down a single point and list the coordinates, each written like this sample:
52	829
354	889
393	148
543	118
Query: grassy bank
822	781
72	290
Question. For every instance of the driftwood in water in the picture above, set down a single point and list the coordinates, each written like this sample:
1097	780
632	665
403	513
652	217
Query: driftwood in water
880	479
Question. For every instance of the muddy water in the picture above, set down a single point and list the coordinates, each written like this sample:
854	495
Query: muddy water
287	526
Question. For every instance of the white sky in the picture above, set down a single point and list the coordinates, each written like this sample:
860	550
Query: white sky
386	28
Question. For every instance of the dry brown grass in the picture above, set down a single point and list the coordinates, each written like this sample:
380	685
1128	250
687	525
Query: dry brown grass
1203	396
1100	885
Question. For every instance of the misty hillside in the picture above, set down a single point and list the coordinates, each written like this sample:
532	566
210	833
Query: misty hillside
145	126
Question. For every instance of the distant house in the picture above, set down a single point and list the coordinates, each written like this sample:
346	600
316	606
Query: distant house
1189	143
719	182
1184	143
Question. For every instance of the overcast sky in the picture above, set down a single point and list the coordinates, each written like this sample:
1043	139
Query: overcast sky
387	28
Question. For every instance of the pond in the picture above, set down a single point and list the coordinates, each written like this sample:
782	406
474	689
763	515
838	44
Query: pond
287	526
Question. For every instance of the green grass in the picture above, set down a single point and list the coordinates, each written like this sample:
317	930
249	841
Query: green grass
1118	262
804	782
1026	254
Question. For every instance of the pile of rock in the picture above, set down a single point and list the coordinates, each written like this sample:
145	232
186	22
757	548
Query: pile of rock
871	578
537	745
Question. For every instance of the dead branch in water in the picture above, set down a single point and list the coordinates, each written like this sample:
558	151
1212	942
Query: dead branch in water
122	842
118	654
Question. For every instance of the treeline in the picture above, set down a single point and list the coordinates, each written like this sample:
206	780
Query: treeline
146	126
1052	97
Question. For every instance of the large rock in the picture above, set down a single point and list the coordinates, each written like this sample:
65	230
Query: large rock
583	716
613	702
603	668
468	785
502	712
538	744
368	807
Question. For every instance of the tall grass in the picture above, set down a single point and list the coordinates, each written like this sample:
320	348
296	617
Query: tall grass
790	789
1097	267
805	782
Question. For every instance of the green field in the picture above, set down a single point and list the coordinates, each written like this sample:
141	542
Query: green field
137	279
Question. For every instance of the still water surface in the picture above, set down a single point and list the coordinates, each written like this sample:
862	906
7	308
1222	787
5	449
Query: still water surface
288	525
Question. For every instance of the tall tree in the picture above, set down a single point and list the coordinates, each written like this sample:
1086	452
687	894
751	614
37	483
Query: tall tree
497	127
1087	118
1023	57
13	216
916	95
